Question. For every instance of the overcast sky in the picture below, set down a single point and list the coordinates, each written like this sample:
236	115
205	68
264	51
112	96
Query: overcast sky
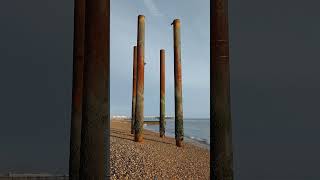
274	63
195	52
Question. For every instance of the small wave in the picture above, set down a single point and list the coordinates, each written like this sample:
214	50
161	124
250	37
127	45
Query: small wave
201	140
170	133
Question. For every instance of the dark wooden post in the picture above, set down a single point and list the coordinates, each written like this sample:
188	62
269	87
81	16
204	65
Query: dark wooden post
77	84
220	113
178	83
134	88
96	100
138	137
162	94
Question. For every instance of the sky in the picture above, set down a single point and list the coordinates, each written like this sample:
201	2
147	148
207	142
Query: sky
195	53
274	71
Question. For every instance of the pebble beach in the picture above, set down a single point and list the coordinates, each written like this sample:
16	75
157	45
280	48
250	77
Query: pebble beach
155	157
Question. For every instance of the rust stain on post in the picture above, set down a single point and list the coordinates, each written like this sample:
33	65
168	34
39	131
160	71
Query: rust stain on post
134	88
95	116
162	94
220	113
138	136
178	83
77	84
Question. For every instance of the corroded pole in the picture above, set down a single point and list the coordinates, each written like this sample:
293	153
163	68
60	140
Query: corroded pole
220	115
95	116
177	83
162	93
77	84
138	136
134	88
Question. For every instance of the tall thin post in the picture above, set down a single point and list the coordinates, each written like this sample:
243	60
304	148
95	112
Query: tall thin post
138	136
96	112
134	88
77	84
178	83
220	113
162	94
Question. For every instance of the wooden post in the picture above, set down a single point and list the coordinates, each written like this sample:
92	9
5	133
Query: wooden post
77	85
220	113
162	125
96	97
134	88
138	136
178	83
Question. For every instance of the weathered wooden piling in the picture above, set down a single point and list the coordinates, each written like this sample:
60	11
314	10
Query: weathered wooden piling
220	115
95	116
138	136
77	85
134	88
178	83
162	125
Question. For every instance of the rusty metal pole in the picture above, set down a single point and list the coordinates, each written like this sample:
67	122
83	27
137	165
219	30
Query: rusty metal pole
178	83
138	136
77	84
220	113
162	94
134	88
96	112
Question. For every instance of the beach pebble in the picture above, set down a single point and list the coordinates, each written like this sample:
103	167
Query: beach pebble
155	158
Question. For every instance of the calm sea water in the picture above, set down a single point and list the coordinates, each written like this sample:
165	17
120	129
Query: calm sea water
195	129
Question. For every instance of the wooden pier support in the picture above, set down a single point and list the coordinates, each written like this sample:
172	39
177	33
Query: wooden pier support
77	85
138	136
162	125
220	113
178	83
96	107
134	88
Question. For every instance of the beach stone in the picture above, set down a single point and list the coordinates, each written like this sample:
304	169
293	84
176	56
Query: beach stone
155	158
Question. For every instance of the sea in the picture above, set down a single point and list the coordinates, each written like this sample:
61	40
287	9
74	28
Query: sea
196	130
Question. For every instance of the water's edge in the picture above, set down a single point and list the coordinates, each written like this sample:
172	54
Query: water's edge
202	143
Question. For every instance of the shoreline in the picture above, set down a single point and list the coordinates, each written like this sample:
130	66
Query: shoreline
154	158
187	139
194	141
